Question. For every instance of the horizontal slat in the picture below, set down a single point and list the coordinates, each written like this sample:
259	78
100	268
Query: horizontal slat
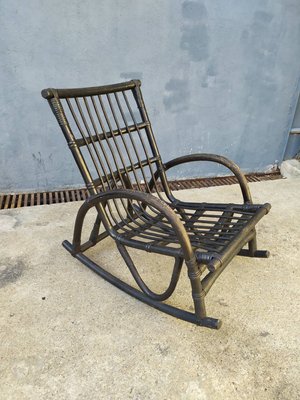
90	91
130	168
116	132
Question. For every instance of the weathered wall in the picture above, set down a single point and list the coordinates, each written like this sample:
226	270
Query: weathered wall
217	77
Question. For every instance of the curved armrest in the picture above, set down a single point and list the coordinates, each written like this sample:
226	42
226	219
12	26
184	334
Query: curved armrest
217	159
144	198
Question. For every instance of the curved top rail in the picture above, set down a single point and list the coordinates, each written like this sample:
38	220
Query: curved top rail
89	91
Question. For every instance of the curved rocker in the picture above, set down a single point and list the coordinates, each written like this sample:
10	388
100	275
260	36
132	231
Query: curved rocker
147	296
110	136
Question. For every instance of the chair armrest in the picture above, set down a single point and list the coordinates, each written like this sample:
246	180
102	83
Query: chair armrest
219	160
143	198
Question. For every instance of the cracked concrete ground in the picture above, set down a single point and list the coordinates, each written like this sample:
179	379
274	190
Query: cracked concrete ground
68	334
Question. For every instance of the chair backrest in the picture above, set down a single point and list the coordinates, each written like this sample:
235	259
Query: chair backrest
109	133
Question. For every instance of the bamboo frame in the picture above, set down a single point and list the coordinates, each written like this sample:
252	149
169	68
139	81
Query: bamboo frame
110	136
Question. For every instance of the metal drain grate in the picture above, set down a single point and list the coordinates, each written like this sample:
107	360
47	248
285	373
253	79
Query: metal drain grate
17	200
220	181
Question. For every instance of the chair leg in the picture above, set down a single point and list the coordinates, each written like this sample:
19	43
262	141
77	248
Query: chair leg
95	231
198	294
253	252
152	295
252	245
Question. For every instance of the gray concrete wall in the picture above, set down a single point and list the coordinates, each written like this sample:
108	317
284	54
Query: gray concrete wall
217	77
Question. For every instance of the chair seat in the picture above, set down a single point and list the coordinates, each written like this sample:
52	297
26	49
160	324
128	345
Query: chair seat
210	227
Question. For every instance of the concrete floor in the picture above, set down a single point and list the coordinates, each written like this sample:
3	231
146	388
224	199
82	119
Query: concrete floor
68	334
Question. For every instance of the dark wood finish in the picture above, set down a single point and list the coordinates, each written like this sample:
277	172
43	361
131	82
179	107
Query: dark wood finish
110	136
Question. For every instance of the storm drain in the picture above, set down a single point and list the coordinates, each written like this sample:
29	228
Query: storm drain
17	200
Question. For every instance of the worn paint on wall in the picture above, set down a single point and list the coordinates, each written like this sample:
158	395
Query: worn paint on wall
217	77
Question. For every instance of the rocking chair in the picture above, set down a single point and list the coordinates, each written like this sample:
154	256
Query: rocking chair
110	136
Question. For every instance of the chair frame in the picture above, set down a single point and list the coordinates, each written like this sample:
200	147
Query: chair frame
204	267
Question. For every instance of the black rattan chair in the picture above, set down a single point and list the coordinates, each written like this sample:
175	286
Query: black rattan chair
109	133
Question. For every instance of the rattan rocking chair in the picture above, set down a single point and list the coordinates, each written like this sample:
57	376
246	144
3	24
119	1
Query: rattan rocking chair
109	133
